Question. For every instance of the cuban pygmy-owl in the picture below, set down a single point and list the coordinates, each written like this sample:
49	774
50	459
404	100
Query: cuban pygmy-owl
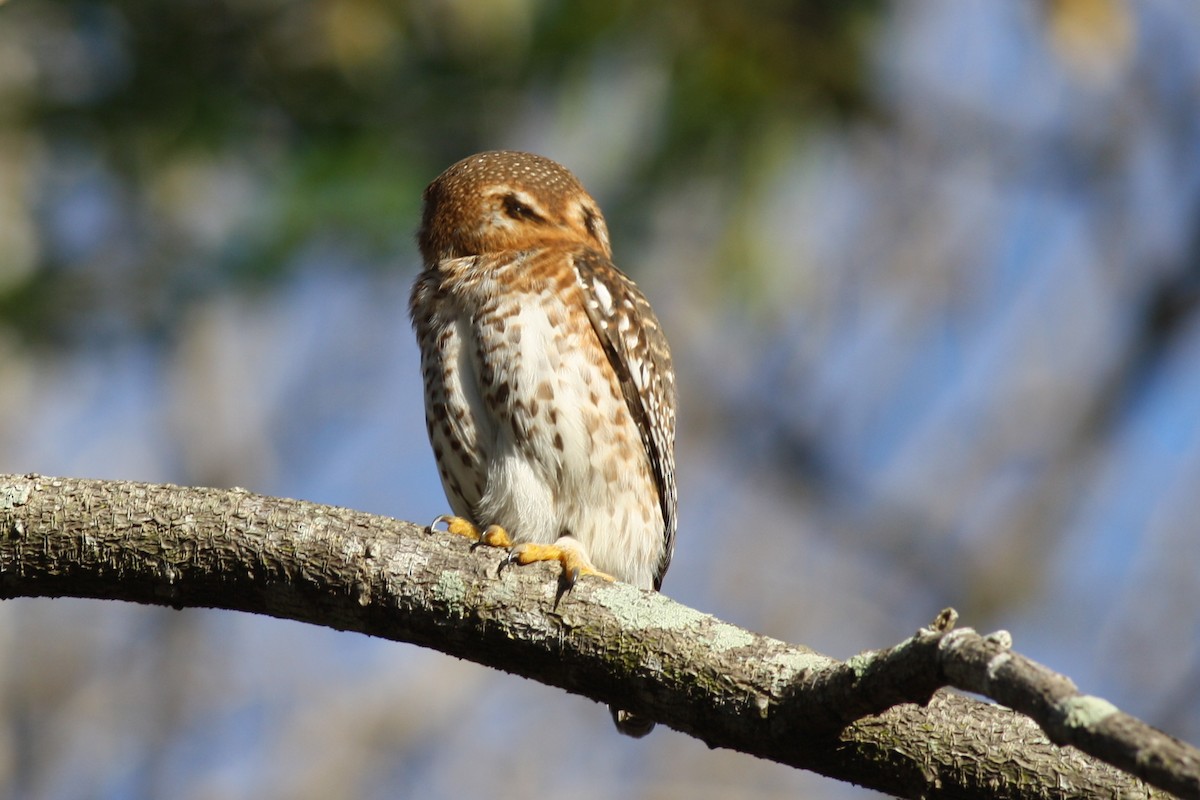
549	391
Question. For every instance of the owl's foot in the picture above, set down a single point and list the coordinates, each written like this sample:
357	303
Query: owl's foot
459	526
565	551
493	536
574	560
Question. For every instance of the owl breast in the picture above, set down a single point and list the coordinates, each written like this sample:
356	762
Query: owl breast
529	424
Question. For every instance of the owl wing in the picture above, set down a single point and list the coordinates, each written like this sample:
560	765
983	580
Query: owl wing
638	352
455	413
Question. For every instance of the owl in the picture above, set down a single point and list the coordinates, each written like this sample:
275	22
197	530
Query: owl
549	390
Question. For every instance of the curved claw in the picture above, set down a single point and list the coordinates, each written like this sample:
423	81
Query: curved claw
509	559
456	525
432	527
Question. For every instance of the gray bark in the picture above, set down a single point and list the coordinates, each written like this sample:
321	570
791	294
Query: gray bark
878	719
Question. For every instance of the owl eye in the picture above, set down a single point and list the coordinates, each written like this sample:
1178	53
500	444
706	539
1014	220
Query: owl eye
514	208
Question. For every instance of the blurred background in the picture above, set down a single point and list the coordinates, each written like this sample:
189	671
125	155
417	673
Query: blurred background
930	270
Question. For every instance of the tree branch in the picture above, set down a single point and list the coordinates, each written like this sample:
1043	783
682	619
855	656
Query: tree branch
875	719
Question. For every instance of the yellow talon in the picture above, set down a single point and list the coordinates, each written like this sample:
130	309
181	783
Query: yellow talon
495	536
573	563
458	526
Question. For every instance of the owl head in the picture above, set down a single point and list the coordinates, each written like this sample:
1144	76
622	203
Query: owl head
505	200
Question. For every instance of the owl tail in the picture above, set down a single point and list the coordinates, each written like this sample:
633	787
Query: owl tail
631	724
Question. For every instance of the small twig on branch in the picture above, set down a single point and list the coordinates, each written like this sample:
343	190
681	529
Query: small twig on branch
938	656
875	719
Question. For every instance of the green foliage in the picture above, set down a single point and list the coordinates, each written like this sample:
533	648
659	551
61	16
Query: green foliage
335	114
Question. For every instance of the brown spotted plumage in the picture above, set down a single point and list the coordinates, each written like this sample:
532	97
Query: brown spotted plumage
549	393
